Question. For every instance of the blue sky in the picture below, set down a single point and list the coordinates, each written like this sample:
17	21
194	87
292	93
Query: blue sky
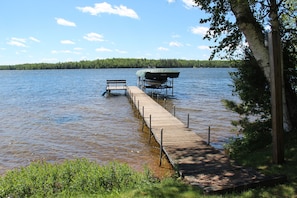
34	31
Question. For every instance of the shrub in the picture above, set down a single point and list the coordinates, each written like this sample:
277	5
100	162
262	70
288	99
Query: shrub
43	179
254	125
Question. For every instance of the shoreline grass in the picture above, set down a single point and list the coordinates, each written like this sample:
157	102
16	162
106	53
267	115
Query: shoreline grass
83	178
71	178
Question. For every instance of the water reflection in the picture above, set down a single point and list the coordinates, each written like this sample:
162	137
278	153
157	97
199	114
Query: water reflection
61	114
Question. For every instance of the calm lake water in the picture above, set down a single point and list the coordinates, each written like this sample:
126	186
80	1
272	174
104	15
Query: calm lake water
54	115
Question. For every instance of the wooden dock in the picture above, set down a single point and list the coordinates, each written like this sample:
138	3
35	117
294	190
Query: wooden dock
197	163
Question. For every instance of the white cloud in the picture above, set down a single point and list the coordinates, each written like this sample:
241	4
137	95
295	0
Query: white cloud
22	40
103	49
19	42
203	47
163	49
175	44
68	42
121	51
94	37
189	3
64	22
170	1
200	30
109	9
63	52
34	39
16	43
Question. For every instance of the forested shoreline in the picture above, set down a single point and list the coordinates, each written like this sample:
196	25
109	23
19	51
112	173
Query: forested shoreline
123	63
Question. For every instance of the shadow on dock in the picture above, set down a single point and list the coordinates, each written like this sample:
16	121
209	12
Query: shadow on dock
197	163
209	169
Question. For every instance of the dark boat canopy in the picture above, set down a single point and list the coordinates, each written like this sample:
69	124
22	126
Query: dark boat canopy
157	73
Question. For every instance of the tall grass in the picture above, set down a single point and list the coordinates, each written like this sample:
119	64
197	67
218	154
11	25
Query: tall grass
83	178
71	178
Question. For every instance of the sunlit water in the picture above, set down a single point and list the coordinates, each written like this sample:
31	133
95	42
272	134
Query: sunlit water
54	115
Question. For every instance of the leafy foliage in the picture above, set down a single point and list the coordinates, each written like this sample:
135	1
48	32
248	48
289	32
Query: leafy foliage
252	88
226	20
224	27
120	63
41	175
290	75
44	179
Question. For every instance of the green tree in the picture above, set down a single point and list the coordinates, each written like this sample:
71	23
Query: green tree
234	22
251	86
231	22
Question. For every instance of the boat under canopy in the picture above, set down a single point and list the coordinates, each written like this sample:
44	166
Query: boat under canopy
156	78
159	74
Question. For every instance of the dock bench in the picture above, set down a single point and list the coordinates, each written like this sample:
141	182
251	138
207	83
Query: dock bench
115	85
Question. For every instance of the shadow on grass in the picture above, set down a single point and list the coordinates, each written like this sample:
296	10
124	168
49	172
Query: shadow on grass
262	160
169	188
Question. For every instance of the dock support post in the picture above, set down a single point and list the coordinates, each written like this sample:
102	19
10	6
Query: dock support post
143	112
208	137
172	88
142	118
150	129
138	108
161	147
174	110
188	121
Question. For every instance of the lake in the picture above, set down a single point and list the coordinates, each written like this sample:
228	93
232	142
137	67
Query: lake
53	115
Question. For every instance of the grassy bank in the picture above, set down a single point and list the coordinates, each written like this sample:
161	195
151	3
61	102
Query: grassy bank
82	178
72	179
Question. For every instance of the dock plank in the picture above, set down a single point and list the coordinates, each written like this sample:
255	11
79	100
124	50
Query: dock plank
198	163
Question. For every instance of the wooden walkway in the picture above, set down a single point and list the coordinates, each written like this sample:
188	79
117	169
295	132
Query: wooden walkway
197	163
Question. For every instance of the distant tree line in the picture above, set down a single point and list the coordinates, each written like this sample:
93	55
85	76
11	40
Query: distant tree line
122	63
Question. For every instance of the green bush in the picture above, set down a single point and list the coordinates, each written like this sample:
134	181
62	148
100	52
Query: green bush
70	178
254	124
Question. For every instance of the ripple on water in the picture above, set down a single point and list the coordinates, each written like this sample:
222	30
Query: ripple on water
60	114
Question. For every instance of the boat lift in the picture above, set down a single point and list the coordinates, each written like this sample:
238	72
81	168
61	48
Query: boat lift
156	79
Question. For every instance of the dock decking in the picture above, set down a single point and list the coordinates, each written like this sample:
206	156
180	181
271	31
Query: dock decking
197	163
